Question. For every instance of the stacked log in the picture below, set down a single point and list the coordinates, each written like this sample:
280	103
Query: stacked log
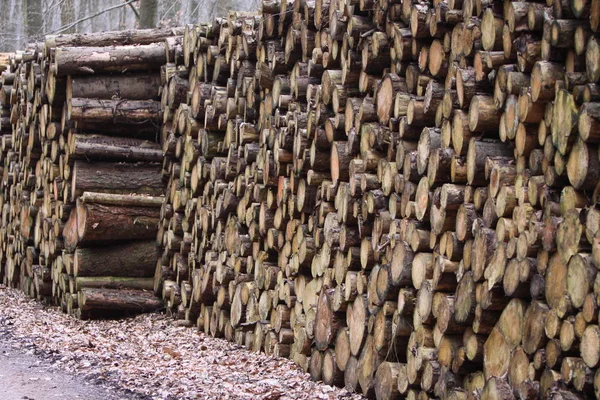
83	187
399	196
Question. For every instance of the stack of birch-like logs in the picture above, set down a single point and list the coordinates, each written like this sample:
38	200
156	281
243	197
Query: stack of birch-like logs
82	170
398	195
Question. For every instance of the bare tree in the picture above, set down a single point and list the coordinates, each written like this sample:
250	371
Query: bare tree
148	9
24	21
67	15
34	18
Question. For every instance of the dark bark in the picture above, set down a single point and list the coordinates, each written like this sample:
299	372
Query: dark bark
148	13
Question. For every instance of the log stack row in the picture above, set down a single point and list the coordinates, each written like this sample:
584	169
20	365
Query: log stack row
82	186
398	195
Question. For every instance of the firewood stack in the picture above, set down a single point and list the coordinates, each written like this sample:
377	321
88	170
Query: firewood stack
399	196
85	195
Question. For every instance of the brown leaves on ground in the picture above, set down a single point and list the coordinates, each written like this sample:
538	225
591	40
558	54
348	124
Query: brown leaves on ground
150	356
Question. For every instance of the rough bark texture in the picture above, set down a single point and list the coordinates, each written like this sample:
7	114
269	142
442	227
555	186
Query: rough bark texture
134	260
389	192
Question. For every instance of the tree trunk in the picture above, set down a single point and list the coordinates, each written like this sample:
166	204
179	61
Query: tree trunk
148	9
34	18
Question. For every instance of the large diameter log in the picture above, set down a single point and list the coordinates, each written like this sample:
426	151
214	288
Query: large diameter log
112	38
100	147
137	86
99	223
118	300
96	60
132	260
117	178
114	111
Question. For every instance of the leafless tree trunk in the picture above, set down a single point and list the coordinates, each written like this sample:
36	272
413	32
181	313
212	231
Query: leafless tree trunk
148	13
34	18
67	15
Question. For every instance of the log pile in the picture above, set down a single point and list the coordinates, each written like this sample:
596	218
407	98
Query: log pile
82	187
400	196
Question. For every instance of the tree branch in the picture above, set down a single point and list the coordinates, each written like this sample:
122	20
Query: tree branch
193	13
135	11
167	12
69	26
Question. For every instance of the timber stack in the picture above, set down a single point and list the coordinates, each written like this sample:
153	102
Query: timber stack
400	196
82	186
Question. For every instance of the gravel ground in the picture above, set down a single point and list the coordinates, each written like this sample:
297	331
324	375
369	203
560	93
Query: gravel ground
147	357
25	376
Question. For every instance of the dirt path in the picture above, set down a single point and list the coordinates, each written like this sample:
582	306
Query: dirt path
24	376
142	358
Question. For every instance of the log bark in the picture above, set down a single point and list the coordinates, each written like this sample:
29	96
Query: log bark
97	224
107	148
133	260
116	179
106	300
127	87
96	60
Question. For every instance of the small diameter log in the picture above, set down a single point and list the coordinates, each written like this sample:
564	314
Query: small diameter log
543	78
483	116
132	200
390	86
133	260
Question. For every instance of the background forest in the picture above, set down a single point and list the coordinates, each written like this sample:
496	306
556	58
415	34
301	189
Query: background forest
23	21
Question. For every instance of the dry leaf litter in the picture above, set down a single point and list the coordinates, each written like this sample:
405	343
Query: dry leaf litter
148	357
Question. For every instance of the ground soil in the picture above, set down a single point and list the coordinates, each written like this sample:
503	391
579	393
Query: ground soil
26	376
45	354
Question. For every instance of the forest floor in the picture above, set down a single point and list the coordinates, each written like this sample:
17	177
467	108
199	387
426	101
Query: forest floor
45	354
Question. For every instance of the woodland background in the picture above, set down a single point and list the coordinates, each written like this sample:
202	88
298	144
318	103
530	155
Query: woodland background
24	21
